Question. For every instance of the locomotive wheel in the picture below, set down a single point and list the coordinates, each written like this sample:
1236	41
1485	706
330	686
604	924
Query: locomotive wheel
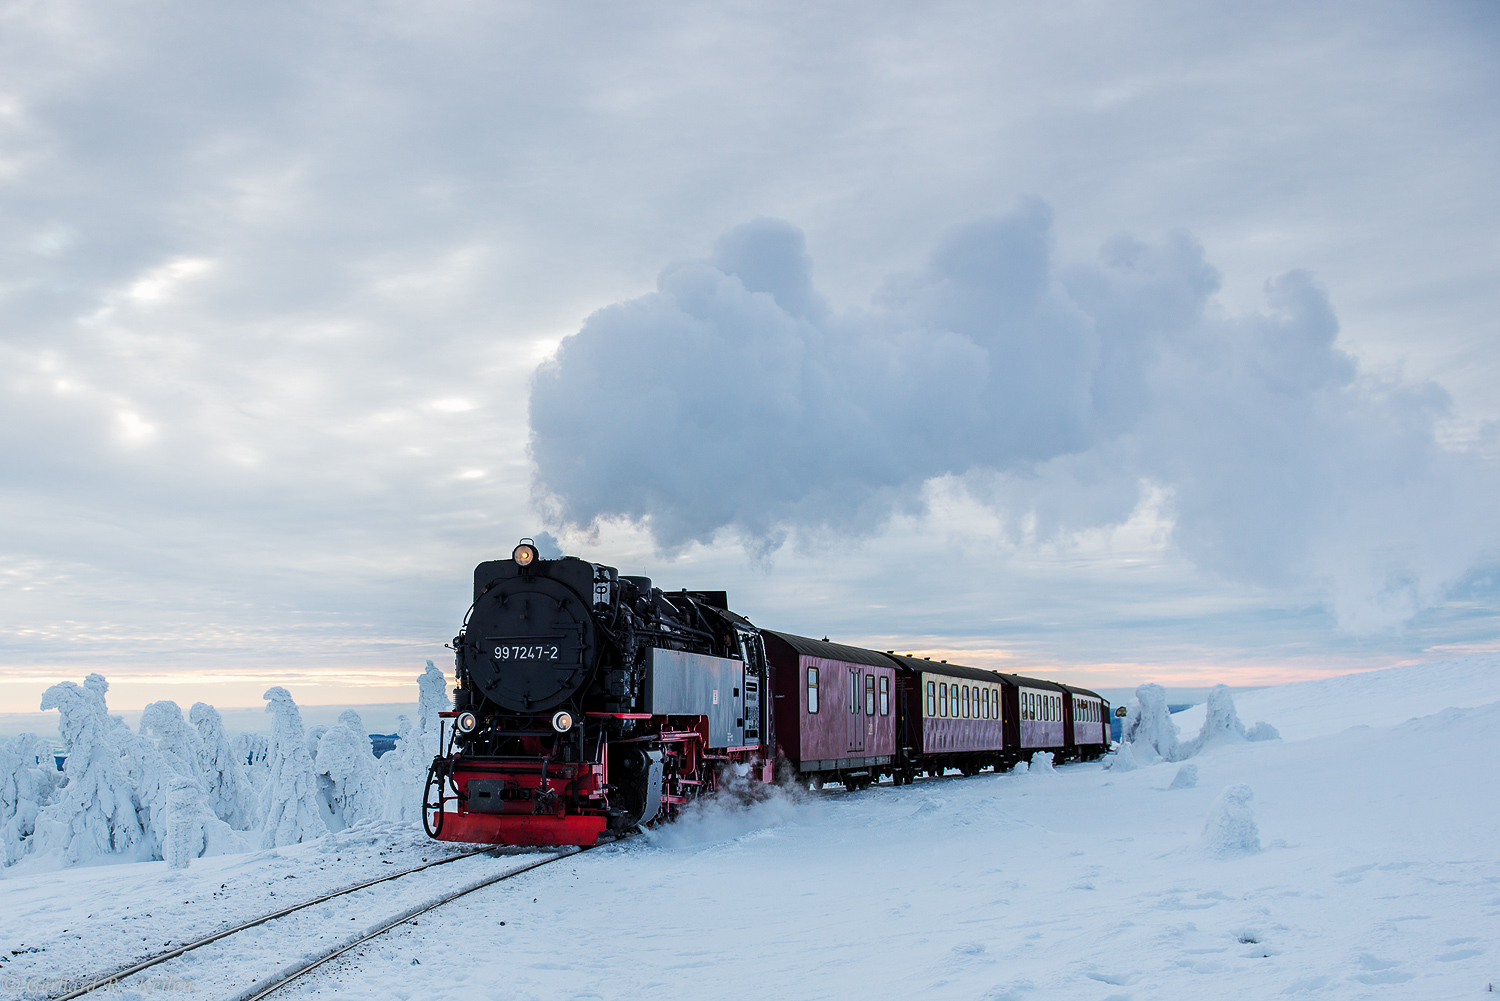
435	776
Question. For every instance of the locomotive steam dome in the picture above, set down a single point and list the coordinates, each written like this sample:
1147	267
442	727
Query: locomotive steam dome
527	643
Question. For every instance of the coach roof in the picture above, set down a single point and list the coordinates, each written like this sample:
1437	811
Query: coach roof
950	670
829	651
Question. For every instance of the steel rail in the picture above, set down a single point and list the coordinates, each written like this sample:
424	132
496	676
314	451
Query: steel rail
146	964
279	980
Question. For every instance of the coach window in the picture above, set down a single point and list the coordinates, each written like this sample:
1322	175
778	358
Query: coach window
942	700
989	703
869	695
967	713
932	698
885	695
812	689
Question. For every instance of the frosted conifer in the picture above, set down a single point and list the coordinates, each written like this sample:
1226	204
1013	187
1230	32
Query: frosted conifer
350	779
253	751
28	781
405	766
95	813
292	808
1149	729
230	792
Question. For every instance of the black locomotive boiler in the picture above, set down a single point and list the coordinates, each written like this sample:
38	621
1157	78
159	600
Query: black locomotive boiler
589	701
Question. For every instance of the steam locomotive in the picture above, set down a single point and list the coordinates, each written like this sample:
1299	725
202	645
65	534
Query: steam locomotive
588	701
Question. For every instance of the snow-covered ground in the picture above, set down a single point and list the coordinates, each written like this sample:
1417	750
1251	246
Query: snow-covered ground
1378	876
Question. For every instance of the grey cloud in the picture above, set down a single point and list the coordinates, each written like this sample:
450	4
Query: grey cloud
733	399
396	208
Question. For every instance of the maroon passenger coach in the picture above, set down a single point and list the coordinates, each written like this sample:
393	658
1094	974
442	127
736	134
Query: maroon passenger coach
835	709
850	715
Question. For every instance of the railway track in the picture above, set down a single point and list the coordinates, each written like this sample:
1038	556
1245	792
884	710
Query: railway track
310	961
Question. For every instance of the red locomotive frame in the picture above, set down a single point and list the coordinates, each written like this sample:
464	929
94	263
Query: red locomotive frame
547	802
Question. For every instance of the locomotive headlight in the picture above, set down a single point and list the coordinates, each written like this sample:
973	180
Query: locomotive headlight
466	721
562	721
525	554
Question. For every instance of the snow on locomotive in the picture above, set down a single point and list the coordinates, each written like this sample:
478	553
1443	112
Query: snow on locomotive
588	701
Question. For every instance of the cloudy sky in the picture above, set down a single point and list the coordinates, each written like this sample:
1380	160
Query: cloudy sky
1111	341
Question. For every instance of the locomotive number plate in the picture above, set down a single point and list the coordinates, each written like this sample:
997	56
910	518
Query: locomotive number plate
541	651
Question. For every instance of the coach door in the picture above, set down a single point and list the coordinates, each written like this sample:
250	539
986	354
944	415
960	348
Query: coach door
856	716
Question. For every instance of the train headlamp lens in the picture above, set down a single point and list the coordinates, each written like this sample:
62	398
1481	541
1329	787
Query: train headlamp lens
562	721
467	721
525	554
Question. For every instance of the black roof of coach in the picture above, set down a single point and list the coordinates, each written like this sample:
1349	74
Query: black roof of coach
1083	691
829	651
1037	683
944	668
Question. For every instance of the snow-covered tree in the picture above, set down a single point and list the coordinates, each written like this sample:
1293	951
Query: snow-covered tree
28	782
157	764
172	796
176	742
292	807
349	777
230	792
1221	724
405	766
1230	827
1149	729
315	734
95	812
432	700
351	720
187	822
253	750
